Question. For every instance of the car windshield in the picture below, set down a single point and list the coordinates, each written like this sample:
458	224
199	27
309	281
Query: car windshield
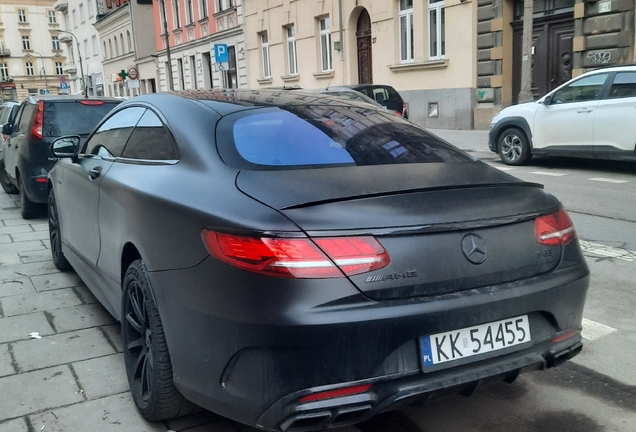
73	117
328	135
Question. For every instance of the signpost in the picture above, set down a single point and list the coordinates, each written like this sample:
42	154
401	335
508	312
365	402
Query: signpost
221	54
133	73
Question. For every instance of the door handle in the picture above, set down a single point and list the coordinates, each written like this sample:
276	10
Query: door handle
95	172
584	110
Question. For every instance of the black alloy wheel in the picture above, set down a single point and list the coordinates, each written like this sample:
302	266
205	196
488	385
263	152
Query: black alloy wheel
28	209
513	147
5	181
60	261
146	356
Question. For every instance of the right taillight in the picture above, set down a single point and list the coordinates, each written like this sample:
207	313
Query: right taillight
38	121
556	229
328	257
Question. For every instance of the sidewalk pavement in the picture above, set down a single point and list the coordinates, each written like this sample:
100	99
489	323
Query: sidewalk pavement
61	362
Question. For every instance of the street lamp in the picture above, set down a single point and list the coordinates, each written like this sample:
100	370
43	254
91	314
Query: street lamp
46	85
79	54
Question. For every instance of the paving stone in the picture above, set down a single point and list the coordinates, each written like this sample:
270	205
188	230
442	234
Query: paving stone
35	256
36	235
80	317
4	238
30	269
85	294
114	334
29	303
18	425
36	391
16	286
60	349
18	327
5	362
24	246
103	376
110	414
40	226
14	220
9	257
55	281
15	229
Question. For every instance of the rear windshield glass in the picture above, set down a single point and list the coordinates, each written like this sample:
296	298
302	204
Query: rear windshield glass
73	117
318	136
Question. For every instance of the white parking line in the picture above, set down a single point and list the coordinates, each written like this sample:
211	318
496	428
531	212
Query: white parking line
607	251
547	173
593	330
501	168
607	180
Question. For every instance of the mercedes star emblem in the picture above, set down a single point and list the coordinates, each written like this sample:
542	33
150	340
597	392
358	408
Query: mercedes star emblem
474	248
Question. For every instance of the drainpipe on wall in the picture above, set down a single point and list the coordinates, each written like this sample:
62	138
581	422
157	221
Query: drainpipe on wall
341	30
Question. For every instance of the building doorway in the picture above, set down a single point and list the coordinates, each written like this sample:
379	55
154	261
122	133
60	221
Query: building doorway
363	37
553	30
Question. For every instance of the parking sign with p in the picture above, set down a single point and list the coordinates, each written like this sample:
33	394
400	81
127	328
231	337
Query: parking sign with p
220	53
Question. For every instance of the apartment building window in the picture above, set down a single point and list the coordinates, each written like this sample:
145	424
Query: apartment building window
29	68
52	17
105	50
26	43
189	12
82	13
1	45
4	71
292	58
22	16
203	8
91	10
56	42
116	47
181	74
437	39
325	44
74	18
406	31
176	19
110	48
222	5
58	68
123	47
130	48
95	46
267	70
193	69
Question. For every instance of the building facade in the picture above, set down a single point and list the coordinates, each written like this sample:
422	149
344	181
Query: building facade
570	37
425	49
194	27
81	40
31	57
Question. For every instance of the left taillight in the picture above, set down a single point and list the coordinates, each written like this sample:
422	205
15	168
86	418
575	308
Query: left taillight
38	121
555	229
328	257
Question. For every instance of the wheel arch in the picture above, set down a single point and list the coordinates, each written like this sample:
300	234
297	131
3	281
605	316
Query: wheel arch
517	122
129	254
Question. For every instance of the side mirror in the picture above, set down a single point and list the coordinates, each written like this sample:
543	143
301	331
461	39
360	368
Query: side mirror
7	128
547	100
65	147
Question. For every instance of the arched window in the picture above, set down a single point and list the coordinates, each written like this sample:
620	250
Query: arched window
110	48
130	48
121	38
105	52
116	47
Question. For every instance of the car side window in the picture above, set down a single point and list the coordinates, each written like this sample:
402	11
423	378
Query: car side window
584	89
150	140
624	85
380	95
25	117
109	140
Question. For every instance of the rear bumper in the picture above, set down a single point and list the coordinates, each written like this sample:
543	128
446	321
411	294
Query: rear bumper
250	349
30	173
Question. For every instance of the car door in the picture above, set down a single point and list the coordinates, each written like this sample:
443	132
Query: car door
78	196
615	118
567	123
18	138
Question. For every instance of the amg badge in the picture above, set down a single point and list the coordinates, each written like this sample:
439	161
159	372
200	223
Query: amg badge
392	276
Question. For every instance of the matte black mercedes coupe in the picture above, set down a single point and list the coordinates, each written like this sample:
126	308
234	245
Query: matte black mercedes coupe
296	261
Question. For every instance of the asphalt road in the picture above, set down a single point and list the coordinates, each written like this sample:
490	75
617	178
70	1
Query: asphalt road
596	391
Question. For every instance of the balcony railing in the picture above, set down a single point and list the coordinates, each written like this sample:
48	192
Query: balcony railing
4	52
66	38
69	68
61	5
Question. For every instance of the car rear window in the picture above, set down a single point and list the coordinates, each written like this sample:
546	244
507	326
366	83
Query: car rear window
311	136
73	117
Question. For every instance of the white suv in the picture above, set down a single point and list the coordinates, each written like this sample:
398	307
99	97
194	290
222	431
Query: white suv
592	115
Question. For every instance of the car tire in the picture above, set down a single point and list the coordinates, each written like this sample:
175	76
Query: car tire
146	355
513	147
28	208
5	181
60	261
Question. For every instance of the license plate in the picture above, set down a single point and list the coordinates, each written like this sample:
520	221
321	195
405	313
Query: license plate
471	341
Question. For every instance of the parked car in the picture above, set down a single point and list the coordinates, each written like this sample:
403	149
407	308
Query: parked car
385	95
7	115
295	261
347	94
27	156
590	116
